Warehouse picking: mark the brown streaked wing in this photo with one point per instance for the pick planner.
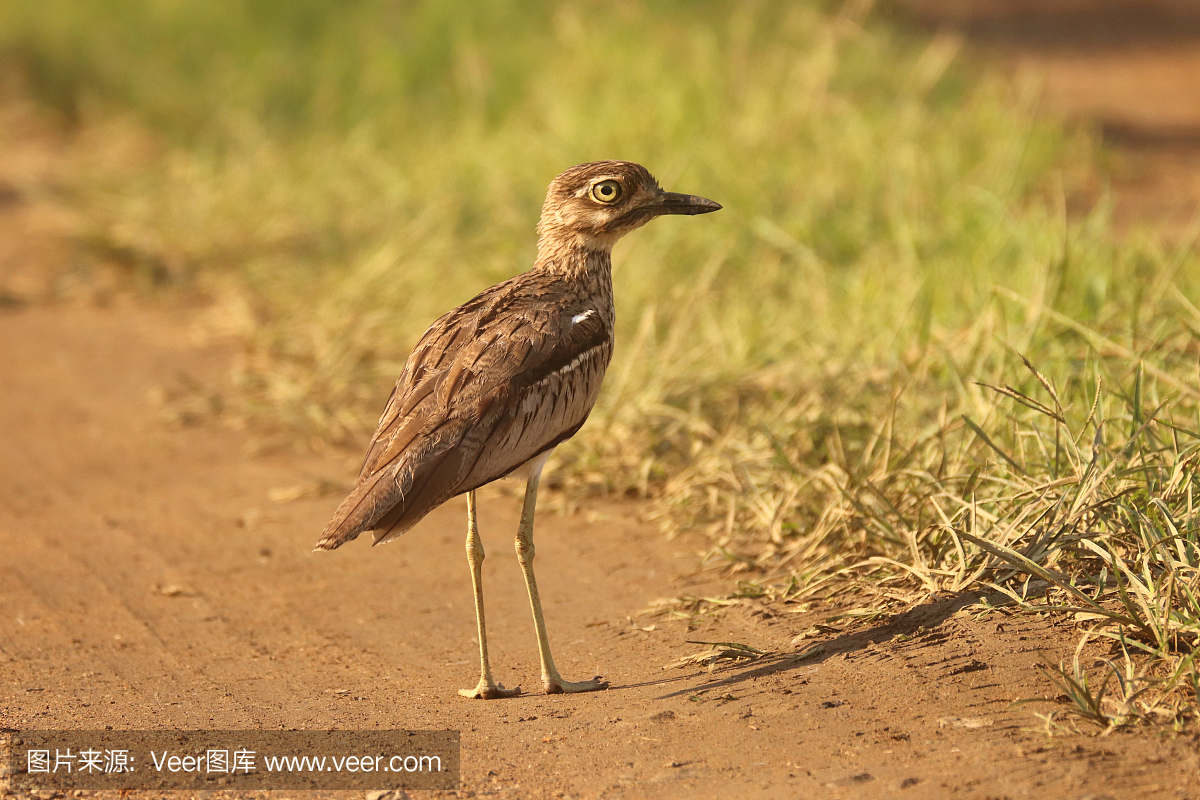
(538, 382)
(468, 410)
(419, 380)
(539, 416)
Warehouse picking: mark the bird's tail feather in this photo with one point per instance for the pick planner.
(390, 501)
(435, 483)
(370, 500)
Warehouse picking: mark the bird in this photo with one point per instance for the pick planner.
(493, 386)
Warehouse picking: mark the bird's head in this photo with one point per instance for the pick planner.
(593, 205)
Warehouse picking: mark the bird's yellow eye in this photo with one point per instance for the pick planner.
(607, 192)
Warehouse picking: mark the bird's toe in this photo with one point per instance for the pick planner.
(489, 691)
(559, 686)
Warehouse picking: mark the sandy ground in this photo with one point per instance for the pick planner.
(155, 575)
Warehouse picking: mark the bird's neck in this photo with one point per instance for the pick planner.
(573, 258)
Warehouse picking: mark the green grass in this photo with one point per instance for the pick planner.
(828, 377)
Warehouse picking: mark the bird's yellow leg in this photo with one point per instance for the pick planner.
(487, 689)
(550, 677)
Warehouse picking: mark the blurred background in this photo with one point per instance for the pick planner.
(917, 194)
(1128, 69)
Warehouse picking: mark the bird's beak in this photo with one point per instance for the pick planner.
(672, 203)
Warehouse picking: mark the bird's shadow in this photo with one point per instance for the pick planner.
(926, 615)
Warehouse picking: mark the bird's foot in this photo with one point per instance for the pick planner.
(557, 685)
(487, 690)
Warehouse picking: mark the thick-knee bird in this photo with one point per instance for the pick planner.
(496, 384)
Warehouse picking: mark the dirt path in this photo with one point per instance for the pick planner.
(147, 580)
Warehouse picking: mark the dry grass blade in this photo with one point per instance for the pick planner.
(988, 441)
(1024, 400)
(717, 653)
(1025, 564)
